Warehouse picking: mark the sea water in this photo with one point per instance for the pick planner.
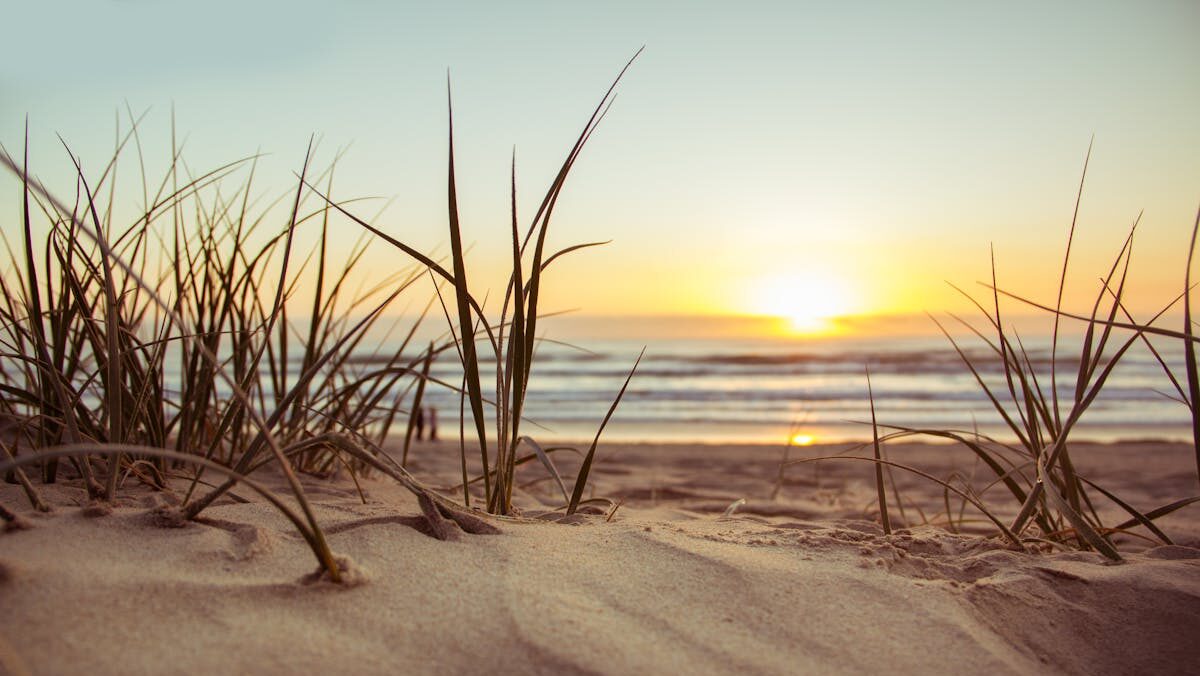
(770, 390)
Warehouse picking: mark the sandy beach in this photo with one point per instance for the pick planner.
(298, 301)
(682, 578)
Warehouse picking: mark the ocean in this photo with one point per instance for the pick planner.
(770, 390)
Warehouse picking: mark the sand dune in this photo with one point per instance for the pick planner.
(802, 583)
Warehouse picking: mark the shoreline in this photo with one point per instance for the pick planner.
(824, 442)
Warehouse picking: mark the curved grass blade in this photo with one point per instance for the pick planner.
(470, 360)
(548, 464)
(415, 413)
(1137, 516)
(1008, 533)
(1161, 511)
(1062, 282)
(879, 491)
(83, 450)
(585, 468)
(1082, 527)
(1189, 348)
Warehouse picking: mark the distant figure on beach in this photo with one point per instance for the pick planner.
(420, 423)
(433, 424)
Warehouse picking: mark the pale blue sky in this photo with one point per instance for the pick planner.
(885, 143)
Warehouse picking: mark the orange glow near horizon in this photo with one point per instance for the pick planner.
(802, 439)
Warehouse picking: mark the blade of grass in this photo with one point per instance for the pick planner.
(879, 490)
(82, 450)
(1008, 533)
(1189, 348)
(1160, 512)
(1062, 282)
(1082, 527)
(548, 464)
(1137, 516)
(585, 468)
(415, 413)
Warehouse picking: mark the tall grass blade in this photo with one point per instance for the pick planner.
(879, 490)
(1189, 348)
(1084, 530)
(1014, 426)
(470, 361)
(586, 467)
(517, 373)
(416, 413)
(111, 351)
(1062, 282)
(38, 330)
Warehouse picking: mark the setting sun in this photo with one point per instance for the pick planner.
(809, 301)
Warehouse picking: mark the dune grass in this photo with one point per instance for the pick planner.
(512, 338)
(167, 349)
(156, 335)
(163, 348)
(1036, 474)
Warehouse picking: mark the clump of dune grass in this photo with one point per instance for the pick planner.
(95, 314)
(1036, 474)
(512, 337)
(162, 349)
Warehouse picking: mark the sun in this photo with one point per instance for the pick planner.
(808, 301)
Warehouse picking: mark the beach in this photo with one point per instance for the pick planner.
(606, 338)
(682, 576)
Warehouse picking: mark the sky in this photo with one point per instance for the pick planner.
(798, 159)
